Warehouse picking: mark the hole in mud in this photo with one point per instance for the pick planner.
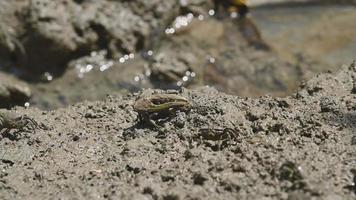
(7, 162)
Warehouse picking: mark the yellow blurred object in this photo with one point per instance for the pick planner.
(232, 9)
(248, 28)
(231, 6)
(238, 2)
(238, 6)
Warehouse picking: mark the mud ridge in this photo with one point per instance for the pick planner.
(226, 147)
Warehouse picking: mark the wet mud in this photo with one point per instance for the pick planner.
(225, 147)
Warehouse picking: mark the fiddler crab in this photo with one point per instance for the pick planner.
(9, 120)
(157, 107)
(218, 137)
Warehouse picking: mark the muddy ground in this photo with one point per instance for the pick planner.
(298, 147)
(258, 131)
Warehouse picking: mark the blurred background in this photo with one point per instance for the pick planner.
(57, 53)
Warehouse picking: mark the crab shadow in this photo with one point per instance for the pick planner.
(138, 129)
(346, 120)
(11, 135)
(350, 122)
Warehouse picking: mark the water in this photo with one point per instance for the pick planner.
(325, 32)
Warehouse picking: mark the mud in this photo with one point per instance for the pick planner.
(226, 147)
(270, 135)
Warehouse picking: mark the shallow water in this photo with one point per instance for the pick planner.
(325, 32)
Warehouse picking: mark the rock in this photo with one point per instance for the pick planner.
(172, 70)
(13, 91)
(63, 30)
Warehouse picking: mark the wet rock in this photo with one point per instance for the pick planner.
(11, 47)
(69, 29)
(158, 12)
(174, 71)
(62, 30)
(197, 6)
(50, 34)
(13, 91)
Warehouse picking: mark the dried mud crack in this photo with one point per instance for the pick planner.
(298, 147)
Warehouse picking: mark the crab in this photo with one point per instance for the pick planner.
(218, 137)
(157, 106)
(9, 120)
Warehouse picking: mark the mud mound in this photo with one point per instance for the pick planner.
(226, 147)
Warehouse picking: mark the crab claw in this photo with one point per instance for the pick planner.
(25, 121)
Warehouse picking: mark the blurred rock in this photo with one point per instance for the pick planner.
(51, 33)
(13, 91)
(172, 69)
